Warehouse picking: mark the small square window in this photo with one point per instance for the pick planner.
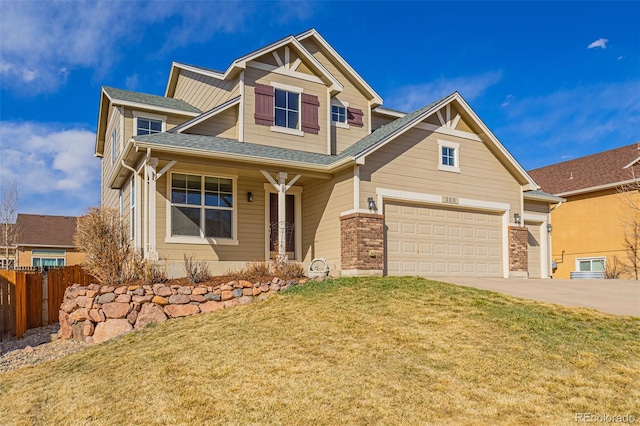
(449, 156)
(287, 108)
(338, 114)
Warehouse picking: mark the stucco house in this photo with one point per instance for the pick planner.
(46, 241)
(289, 151)
(589, 229)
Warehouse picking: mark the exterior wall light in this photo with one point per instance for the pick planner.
(250, 197)
(372, 204)
(516, 218)
(549, 228)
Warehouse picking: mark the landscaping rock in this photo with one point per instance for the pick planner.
(237, 292)
(123, 298)
(179, 299)
(97, 315)
(132, 316)
(111, 328)
(139, 291)
(211, 306)
(79, 315)
(247, 291)
(69, 306)
(142, 299)
(226, 295)
(107, 289)
(245, 284)
(199, 291)
(120, 290)
(106, 298)
(116, 310)
(197, 298)
(177, 311)
(159, 300)
(150, 314)
(244, 300)
(184, 290)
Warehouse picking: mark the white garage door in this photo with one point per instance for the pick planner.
(436, 241)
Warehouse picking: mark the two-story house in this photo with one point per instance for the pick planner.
(289, 151)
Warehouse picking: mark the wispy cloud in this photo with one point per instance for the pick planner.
(411, 97)
(572, 122)
(41, 43)
(601, 43)
(55, 168)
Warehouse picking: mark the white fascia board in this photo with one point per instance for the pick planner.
(632, 163)
(494, 140)
(377, 99)
(97, 152)
(154, 108)
(390, 112)
(198, 70)
(429, 126)
(597, 188)
(540, 197)
(206, 115)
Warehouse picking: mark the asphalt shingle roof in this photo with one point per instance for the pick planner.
(151, 100)
(232, 146)
(604, 168)
(41, 230)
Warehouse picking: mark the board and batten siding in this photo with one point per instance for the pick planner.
(204, 92)
(224, 125)
(251, 219)
(322, 203)
(344, 138)
(410, 163)
(263, 135)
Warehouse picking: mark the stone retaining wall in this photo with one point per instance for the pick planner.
(96, 313)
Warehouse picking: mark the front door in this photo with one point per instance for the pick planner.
(290, 225)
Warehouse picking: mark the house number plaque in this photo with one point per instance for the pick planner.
(449, 200)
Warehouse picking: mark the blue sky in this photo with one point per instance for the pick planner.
(552, 80)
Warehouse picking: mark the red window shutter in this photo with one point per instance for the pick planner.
(310, 105)
(264, 105)
(354, 117)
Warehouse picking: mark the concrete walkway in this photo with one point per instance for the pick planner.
(618, 297)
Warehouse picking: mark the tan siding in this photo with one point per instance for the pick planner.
(224, 125)
(113, 121)
(322, 203)
(350, 94)
(250, 217)
(536, 207)
(72, 256)
(410, 163)
(204, 92)
(379, 120)
(263, 135)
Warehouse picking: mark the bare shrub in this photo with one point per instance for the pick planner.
(137, 268)
(288, 270)
(197, 271)
(101, 235)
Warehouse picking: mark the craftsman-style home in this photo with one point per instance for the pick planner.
(289, 152)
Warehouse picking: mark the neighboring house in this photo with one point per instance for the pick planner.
(589, 228)
(46, 241)
(289, 152)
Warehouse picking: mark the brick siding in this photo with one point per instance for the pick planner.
(362, 241)
(518, 260)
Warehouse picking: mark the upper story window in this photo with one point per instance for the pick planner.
(449, 156)
(146, 126)
(287, 109)
(338, 114)
(146, 123)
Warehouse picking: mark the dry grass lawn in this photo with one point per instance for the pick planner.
(349, 351)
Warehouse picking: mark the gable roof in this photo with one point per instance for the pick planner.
(206, 115)
(113, 96)
(46, 231)
(241, 63)
(363, 85)
(607, 169)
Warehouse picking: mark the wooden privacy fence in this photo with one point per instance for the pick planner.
(33, 299)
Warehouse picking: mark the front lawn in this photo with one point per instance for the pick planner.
(348, 351)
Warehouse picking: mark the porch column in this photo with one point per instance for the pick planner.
(281, 187)
(153, 163)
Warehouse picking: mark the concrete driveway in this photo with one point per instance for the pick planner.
(618, 297)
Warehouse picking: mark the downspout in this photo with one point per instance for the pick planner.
(145, 242)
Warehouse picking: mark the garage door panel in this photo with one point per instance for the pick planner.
(433, 240)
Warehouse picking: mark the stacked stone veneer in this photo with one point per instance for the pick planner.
(96, 313)
(362, 243)
(518, 251)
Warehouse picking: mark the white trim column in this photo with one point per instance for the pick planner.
(153, 163)
(281, 188)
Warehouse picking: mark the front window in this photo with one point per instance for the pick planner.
(147, 126)
(201, 206)
(593, 264)
(287, 108)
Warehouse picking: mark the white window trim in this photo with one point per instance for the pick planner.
(591, 259)
(201, 240)
(133, 193)
(149, 116)
(294, 89)
(114, 144)
(456, 150)
(345, 105)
